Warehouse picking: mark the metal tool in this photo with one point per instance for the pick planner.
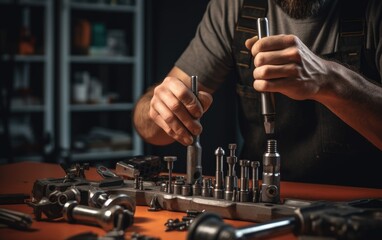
(231, 178)
(219, 189)
(104, 217)
(194, 151)
(170, 164)
(255, 181)
(15, 219)
(270, 188)
(267, 98)
(244, 180)
(360, 219)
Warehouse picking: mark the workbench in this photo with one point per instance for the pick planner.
(19, 178)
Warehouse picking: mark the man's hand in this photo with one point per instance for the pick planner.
(176, 110)
(284, 64)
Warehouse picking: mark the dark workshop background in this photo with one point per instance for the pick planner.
(171, 25)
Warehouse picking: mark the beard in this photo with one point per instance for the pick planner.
(301, 9)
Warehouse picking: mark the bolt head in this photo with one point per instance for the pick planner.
(170, 158)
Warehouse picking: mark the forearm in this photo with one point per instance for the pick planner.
(145, 126)
(354, 99)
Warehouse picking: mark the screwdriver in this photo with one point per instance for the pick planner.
(267, 98)
(194, 151)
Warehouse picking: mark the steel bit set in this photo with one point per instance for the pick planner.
(230, 187)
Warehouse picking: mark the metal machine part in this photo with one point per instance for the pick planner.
(144, 166)
(360, 219)
(270, 188)
(15, 219)
(219, 189)
(210, 226)
(231, 178)
(267, 98)
(244, 180)
(107, 218)
(194, 151)
(255, 181)
(170, 164)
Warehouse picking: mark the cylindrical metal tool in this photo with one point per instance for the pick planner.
(267, 98)
(255, 181)
(270, 189)
(206, 188)
(107, 218)
(170, 164)
(231, 178)
(209, 226)
(218, 191)
(194, 151)
(244, 180)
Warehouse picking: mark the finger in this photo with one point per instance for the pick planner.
(278, 57)
(273, 85)
(267, 72)
(250, 42)
(187, 98)
(170, 123)
(205, 100)
(274, 43)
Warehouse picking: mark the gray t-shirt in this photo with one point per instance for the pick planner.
(209, 55)
(309, 134)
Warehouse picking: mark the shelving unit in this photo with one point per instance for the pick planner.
(121, 74)
(34, 72)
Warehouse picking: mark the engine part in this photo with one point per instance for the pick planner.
(270, 188)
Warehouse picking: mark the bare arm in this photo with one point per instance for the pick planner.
(170, 111)
(284, 64)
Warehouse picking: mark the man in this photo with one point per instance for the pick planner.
(328, 122)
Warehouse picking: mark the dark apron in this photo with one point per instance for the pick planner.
(314, 144)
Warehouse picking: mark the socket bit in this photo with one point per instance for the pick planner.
(267, 98)
(194, 151)
(270, 189)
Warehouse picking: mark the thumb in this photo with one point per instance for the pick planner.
(250, 42)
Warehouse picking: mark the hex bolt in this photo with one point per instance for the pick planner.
(170, 164)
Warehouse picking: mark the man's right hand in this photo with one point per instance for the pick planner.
(176, 110)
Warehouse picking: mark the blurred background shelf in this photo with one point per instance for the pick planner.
(101, 77)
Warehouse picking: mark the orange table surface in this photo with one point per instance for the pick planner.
(19, 178)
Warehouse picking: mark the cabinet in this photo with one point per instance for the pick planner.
(26, 58)
(101, 77)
